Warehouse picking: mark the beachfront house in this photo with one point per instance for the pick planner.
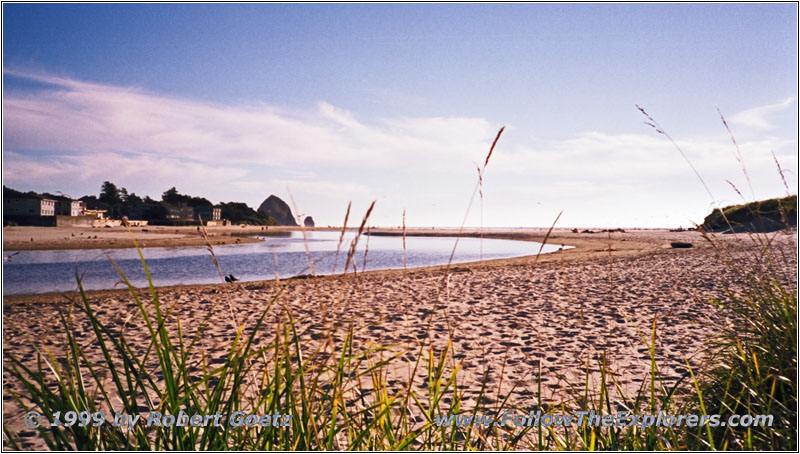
(186, 213)
(69, 207)
(208, 213)
(28, 209)
(179, 212)
(28, 206)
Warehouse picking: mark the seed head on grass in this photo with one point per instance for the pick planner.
(780, 172)
(352, 252)
(341, 237)
(738, 153)
(472, 199)
(303, 230)
(366, 250)
(754, 366)
(491, 149)
(210, 249)
(546, 237)
(404, 238)
(480, 193)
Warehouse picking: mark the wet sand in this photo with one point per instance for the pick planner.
(555, 315)
(40, 238)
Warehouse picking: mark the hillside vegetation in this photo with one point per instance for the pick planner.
(118, 203)
(761, 216)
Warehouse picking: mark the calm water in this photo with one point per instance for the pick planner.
(54, 271)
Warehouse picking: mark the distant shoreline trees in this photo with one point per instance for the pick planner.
(118, 203)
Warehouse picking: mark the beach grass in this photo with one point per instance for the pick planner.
(335, 393)
(338, 394)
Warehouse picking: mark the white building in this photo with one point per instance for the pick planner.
(97, 214)
(67, 207)
(29, 207)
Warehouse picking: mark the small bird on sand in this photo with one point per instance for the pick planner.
(230, 278)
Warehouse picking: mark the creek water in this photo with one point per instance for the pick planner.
(27, 272)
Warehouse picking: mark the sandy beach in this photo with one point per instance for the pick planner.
(515, 318)
(40, 238)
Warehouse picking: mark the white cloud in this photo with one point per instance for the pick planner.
(758, 118)
(597, 156)
(132, 170)
(93, 118)
(75, 132)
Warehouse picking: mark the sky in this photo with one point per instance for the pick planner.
(398, 103)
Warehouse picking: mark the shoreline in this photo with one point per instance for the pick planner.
(61, 238)
(511, 320)
(28, 238)
(585, 247)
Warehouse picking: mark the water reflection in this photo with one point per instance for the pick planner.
(54, 270)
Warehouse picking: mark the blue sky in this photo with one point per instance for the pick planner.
(396, 102)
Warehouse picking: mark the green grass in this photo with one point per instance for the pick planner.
(764, 215)
(337, 391)
(339, 398)
(751, 369)
(755, 356)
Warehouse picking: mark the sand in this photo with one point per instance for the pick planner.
(38, 238)
(555, 314)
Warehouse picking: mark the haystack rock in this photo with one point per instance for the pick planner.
(277, 209)
(308, 221)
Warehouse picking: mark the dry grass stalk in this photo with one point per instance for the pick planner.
(780, 172)
(341, 237)
(654, 124)
(492, 147)
(738, 154)
(735, 189)
(724, 248)
(610, 264)
(366, 251)
(302, 229)
(445, 277)
(546, 237)
(404, 238)
(480, 186)
(480, 230)
(472, 199)
(210, 248)
(739, 158)
(352, 252)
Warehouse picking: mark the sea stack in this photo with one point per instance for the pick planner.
(308, 221)
(278, 210)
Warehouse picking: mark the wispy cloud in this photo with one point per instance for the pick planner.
(93, 118)
(70, 130)
(598, 156)
(759, 118)
(68, 133)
